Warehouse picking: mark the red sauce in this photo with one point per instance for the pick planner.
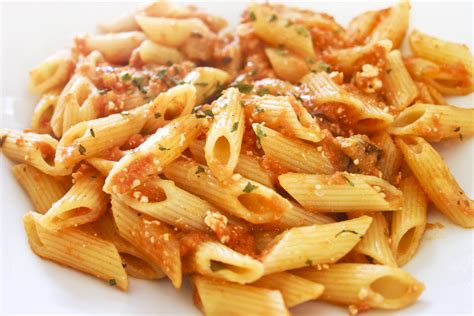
(139, 169)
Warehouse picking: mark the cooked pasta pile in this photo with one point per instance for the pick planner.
(285, 161)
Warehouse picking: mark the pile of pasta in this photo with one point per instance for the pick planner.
(285, 161)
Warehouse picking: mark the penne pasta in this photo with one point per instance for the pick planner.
(350, 109)
(74, 248)
(169, 31)
(393, 24)
(295, 290)
(41, 118)
(207, 81)
(376, 244)
(224, 137)
(341, 192)
(400, 89)
(52, 73)
(279, 32)
(218, 261)
(216, 297)
(115, 47)
(390, 158)
(409, 224)
(36, 150)
(42, 189)
(286, 115)
(292, 154)
(156, 152)
(365, 285)
(306, 246)
(287, 66)
(434, 122)
(83, 203)
(436, 180)
(153, 53)
(241, 197)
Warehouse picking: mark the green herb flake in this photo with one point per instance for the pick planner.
(250, 187)
(324, 67)
(461, 137)
(259, 131)
(289, 23)
(103, 91)
(301, 30)
(157, 115)
(273, 18)
(201, 84)
(309, 262)
(125, 113)
(126, 77)
(259, 109)
(112, 282)
(137, 81)
(346, 231)
(348, 180)
(457, 129)
(82, 149)
(162, 148)
(262, 91)
(234, 127)
(162, 73)
(216, 266)
(199, 170)
(281, 52)
(252, 16)
(244, 87)
(92, 132)
(209, 113)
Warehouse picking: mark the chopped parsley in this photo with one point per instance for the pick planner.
(250, 187)
(457, 129)
(137, 82)
(162, 148)
(234, 127)
(252, 16)
(289, 23)
(92, 132)
(205, 113)
(244, 87)
(301, 30)
(124, 113)
(112, 282)
(199, 169)
(346, 231)
(157, 115)
(325, 67)
(348, 180)
(162, 73)
(201, 84)
(259, 131)
(461, 137)
(262, 91)
(103, 91)
(281, 51)
(273, 18)
(309, 262)
(126, 77)
(82, 149)
(259, 109)
(226, 60)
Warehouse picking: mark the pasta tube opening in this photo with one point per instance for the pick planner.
(405, 242)
(222, 150)
(390, 287)
(408, 117)
(137, 267)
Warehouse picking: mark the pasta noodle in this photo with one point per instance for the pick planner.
(283, 161)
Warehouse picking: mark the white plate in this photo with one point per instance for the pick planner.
(32, 31)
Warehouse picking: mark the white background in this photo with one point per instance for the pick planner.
(32, 31)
